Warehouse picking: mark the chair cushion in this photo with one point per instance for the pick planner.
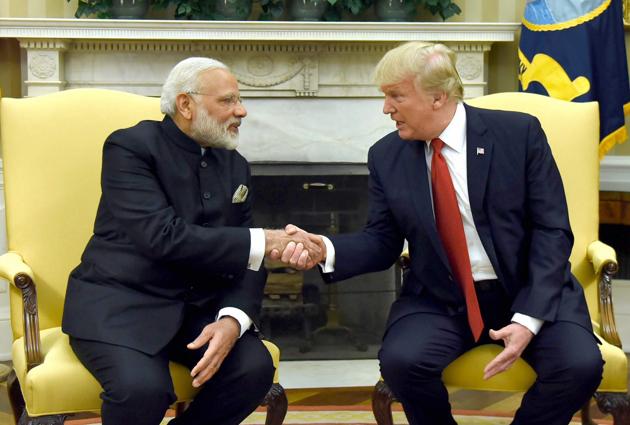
(62, 385)
(521, 375)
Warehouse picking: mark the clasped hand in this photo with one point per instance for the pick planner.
(295, 247)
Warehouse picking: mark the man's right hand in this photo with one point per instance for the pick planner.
(291, 252)
(298, 249)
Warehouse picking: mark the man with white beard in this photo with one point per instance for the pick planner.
(173, 269)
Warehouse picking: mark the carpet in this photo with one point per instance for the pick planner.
(350, 415)
(338, 415)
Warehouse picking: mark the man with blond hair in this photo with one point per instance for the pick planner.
(173, 270)
(478, 197)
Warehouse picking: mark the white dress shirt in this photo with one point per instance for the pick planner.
(454, 152)
(256, 256)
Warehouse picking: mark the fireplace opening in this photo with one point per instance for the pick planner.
(307, 319)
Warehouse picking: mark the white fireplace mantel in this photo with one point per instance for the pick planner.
(270, 59)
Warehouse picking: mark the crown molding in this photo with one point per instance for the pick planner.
(114, 29)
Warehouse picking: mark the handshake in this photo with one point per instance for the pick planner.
(295, 247)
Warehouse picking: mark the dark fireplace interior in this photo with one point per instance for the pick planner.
(306, 318)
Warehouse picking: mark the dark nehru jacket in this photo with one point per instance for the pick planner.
(167, 233)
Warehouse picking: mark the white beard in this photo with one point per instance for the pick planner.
(210, 133)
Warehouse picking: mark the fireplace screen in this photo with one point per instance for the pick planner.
(306, 318)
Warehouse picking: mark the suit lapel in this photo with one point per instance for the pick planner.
(418, 180)
(479, 150)
(479, 146)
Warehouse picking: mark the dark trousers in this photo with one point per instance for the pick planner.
(417, 348)
(137, 387)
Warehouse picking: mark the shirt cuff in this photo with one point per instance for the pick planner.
(256, 249)
(241, 317)
(531, 323)
(328, 266)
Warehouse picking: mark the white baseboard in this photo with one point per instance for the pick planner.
(328, 373)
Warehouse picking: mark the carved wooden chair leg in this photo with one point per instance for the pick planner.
(382, 399)
(42, 420)
(617, 404)
(585, 414)
(277, 404)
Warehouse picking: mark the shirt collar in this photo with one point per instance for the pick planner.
(454, 135)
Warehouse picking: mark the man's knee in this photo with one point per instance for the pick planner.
(585, 371)
(140, 391)
(398, 368)
(249, 366)
(575, 373)
(258, 372)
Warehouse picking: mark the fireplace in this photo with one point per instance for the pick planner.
(306, 318)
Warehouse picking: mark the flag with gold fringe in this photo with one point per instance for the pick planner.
(575, 50)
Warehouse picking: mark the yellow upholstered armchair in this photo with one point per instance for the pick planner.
(573, 133)
(51, 148)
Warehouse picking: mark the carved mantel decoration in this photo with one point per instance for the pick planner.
(271, 59)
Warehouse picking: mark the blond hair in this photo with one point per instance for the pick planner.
(431, 65)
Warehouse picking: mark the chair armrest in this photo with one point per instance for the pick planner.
(604, 260)
(11, 265)
(20, 275)
(602, 255)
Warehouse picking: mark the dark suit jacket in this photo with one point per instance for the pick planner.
(519, 209)
(166, 233)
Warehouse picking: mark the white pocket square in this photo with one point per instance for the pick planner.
(240, 194)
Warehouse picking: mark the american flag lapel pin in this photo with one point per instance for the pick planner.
(481, 151)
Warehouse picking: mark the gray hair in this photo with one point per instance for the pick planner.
(183, 78)
(431, 65)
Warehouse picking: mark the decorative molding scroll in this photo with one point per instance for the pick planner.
(260, 65)
(42, 66)
(29, 295)
(263, 68)
(469, 65)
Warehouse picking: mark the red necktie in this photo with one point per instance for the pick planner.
(449, 225)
